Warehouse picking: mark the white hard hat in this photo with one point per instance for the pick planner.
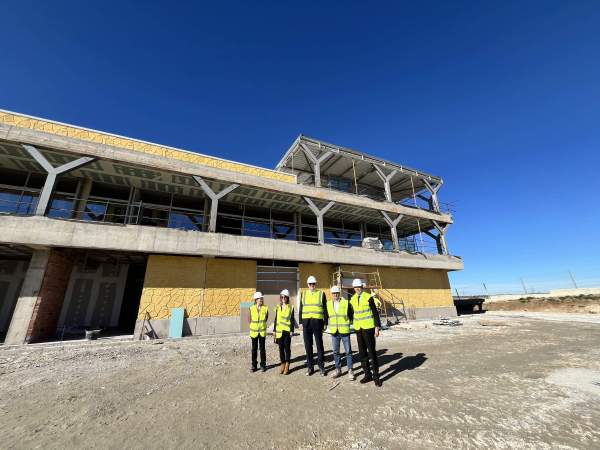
(258, 295)
(357, 282)
(311, 279)
(335, 290)
(285, 292)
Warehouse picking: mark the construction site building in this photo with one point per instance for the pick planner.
(99, 231)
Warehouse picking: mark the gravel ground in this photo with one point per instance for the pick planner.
(495, 382)
(583, 304)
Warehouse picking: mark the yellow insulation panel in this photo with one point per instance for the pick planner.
(418, 288)
(205, 287)
(71, 131)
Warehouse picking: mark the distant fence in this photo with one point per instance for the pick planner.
(529, 284)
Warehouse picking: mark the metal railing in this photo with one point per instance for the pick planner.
(115, 211)
(377, 194)
(23, 201)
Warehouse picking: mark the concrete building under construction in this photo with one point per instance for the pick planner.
(99, 231)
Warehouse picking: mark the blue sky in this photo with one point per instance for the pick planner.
(501, 99)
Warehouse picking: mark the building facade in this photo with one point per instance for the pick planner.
(99, 231)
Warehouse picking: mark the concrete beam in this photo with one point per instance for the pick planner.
(44, 231)
(441, 229)
(316, 162)
(433, 191)
(214, 200)
(386, 179)
(393, 228)
(319, 213)
(52, 173)
(104, 151)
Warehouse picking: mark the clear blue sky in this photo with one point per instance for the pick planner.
(501, 99)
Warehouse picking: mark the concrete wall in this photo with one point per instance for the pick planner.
(210, 290)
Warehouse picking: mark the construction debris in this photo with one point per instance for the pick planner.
(447, 321)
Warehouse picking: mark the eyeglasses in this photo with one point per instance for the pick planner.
(312, 284)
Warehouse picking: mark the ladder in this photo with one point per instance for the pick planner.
(392, 310)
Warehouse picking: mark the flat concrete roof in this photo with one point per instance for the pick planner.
(62, 129)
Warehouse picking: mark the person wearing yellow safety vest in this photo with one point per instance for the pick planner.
(283, 328)
(313, 316)
(366, 324)
(259, 314)
(340, 315)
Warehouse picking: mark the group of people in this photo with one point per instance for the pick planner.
(318, 315)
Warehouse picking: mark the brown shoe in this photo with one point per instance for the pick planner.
(281, 368)
(286, 368)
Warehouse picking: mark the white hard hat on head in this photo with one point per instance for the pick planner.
(285, 292)
(311, 279)
(335, 290)
(258, 295)
(357, 282)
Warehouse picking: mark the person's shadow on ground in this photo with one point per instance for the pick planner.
(401, 364)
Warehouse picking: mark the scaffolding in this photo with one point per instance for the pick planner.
(391, 308)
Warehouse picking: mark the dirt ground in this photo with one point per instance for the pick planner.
(580, 304)
(496, 382)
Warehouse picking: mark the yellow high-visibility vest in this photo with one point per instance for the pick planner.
(258, 322)
(284, 319)
(312, 305)
(363, 316)
(338, 321)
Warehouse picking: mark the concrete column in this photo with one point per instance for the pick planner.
(433, 191)
(40, 302)
(363, 231)
(386, 179)
(316, 162)
(52, 173)
(132, 213)
(319, 213)
(19, 324)
(206, 213)
(440, 239)
(393, 228)
(214, 200)
(83, 192)
(442, 246)
(298, 224)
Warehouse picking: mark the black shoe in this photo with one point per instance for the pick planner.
(378, 382)
(252, 369)
(263, 368)
(366, 379)
(323, 373)
(309, 372)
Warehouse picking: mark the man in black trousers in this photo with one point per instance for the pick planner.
(366, 323)
(313, 316)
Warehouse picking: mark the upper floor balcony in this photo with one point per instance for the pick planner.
(42, 181)
(317, 163)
